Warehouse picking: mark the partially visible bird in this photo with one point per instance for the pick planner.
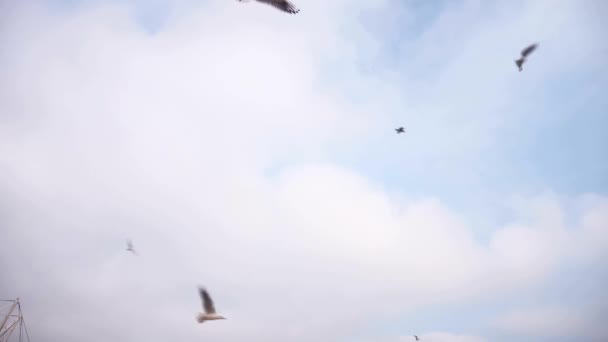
(416, 337)
(209, 314)
(282, 5)
(524, 54)
(130, 247)
(400, 130)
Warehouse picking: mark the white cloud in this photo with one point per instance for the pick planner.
(553, 322)
(108, 133)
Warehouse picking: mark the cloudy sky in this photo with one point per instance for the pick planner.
(254, 152)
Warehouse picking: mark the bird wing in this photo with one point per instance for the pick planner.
(129, 244)
(525, 52)
(207, 302)
(283, 5)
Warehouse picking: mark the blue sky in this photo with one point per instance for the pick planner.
(239, 126)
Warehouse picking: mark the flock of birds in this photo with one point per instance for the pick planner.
(209, 308)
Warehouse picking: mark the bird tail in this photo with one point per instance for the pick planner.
(200, 318)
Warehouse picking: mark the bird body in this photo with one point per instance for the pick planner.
(208, 317)
(416, 337)
(282, 5)
(519, 63)
(400, 130)
(210, 314)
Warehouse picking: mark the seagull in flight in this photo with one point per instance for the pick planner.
(524, 54)
(416, 337)
(130, 247)
(282, 5)
(400, 130)
(209, 314)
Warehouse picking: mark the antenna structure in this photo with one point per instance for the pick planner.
(12, 324)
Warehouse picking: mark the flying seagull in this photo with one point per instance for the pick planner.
(400, 130)
(282, 5)
(524, 54)
(130, 247)
(209, 314)
(416, 337)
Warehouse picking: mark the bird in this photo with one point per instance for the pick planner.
(416, 337)
(400, 130)
(209, 314)
(282, 5)
(524, 54)
(130, 247)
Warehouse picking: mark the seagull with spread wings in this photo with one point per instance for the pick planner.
(210, 314)
(282, 5)
(524, 54)
(400, 130)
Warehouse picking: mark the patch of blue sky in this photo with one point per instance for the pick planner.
(561, 143)
(395, 24)
(553, 137)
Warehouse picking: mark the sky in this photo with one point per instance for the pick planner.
(253, 152)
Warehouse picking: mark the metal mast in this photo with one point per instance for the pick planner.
(12, 325)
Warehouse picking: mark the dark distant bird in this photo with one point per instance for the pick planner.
(209, 314)
(400, 130)
(416, 337)
(524, 54)
(282, 5)
(130, 247)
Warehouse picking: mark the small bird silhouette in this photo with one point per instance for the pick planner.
(400, 130)
(282, 5)
(416, 337)
(524, 54)
(209, 314)
(130, 247)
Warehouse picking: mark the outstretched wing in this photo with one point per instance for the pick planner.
(283, 5)
(525, 52)
(207, 302)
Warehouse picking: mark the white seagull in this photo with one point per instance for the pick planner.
(282, 5)
(209, 314)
